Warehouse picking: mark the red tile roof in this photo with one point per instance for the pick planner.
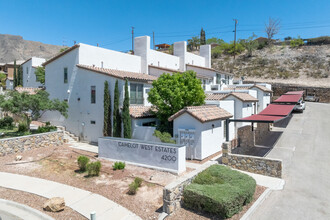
(203, 113)
(211, 69)
(120, 73)
(30, 91)
(244, 97)
(262, 88)
(140, 111)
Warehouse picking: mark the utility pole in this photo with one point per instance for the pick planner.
(132, 40)
(235, 38)
(153, 39)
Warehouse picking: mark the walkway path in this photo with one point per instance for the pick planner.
(305, 152)
(79, 200)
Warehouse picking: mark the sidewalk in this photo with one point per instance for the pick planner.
(82, 201)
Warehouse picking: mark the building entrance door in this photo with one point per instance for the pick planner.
(187, 137)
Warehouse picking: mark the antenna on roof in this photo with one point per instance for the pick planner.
(132, 40)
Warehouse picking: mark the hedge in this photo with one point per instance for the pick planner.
(219, 190)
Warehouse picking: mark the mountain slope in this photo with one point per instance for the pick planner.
(306, 65)
(15, 47)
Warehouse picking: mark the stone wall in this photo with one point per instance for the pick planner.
(245, 136)
(261, 132)
(172, 193)
(29, 142)
(259, 165)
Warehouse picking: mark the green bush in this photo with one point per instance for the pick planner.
(23, 127)
(296, 42)
(82, 163)
(219, 190)
(164, 137)
(6, 122)
(93, 168)
(46, 128)
(119, 166)
(138, 181)
(132, 188)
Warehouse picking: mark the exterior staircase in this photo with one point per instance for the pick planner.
(68, 137)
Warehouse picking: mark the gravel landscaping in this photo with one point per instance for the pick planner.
(37, 202)
(60, 164)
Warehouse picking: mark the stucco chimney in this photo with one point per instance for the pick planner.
(180, 50)
(142, 48)
(205, 51)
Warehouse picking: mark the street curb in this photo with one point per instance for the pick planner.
(256, 204)
(25, 209)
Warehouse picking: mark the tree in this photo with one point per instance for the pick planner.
(126, 116)
(31, 106)
(214, 40)
(40, 74)
(202, 38)
(116, 113)
(15, 75)
(272, 28)
(19, 76)
(172, 92)
(250, 44)
(3, 80)
(193, 43)
(107, 126)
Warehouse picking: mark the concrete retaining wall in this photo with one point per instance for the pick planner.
(29, 142)
(259, 165)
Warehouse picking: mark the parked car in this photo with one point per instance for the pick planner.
(300, 106)
(311, 98)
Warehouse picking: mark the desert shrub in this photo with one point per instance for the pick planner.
(216, 52)
(164, 137)
(119, 166)
(296, 42)
(6, 122)
(82, 163)
(23, 126)
(319, 40)
(219, 190)
(132, 188)
(94, 168)
(138, 181)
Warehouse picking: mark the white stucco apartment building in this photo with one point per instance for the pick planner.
(77, 76)
(29, 67)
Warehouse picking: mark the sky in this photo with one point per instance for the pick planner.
(109, 23)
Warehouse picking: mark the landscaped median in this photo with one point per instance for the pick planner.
(219, 190)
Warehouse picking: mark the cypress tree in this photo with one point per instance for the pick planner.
(107, 126)
(126, 116)
(19, 76)
(116, 113)
(15, 75)
(202, 38)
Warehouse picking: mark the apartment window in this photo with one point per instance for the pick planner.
(136, 93)
(218, 79)
(93, 94)
(93, 122)
(27, 70)
(65, 75)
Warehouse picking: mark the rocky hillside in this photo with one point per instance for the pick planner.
(305, 65)
(15, 47)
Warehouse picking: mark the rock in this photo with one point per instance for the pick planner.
(54, 204)
(18, 157)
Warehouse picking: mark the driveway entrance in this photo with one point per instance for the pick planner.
(304, 148)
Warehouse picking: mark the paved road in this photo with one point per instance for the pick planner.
(304, 148)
